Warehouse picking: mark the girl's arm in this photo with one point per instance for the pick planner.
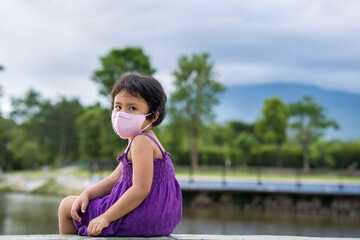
(104, 186)
(143, 167)
(100, 189)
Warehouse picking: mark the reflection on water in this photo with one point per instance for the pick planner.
(34, 214)
(201, 221)
(28, 214)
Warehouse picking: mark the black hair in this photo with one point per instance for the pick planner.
(145, 87)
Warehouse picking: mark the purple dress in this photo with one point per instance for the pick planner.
(158, 214)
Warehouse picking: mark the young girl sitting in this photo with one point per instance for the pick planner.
(142, 196)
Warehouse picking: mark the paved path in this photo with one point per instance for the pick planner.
(240, 184)
(344, 189)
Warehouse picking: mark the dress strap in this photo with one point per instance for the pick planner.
(152, 138)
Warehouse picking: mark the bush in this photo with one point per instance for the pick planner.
(320, 156)
(345, 154)
(212, 156)
(266, 156)
(329, 155)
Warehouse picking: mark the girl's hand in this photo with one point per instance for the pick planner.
(97, 225)
(80, 203)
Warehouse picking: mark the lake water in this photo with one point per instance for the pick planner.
(36, 214)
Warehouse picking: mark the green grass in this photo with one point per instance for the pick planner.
(51, 187)
(6, 189)
(212, 172)
(81, 172)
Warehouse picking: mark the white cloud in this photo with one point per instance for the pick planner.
(50, 45)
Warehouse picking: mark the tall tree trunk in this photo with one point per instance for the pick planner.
(4, 159)
(61, 154)
(306, 157)
(193, 148)
(70, 156)
(279, 155)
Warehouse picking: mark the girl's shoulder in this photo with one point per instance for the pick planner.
(143, 139)
(147, 142)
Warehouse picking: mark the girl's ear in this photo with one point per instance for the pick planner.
(156, 116)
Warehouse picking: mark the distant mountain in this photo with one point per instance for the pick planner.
(244, 102)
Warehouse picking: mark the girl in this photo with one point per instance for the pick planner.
(142, 196)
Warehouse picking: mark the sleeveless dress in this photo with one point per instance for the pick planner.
(158, 214)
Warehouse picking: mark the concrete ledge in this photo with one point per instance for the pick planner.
(170, 237)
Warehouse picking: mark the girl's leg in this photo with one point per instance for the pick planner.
(66, 225)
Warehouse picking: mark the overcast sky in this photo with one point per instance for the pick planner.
(54, 46)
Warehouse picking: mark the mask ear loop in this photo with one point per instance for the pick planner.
(148, 124)
(146, 127)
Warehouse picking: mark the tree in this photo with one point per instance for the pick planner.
(240, 127)
(272, 124)
(58, 128)
(119, 62)
(244, 142)
(1, 94)
(192, 102)
(27, 107)
(51, 126)
(89, 127)
(1, 69)
(97, 139)
(6, 127)
(111, 145)
(309, 120)
(26, 153)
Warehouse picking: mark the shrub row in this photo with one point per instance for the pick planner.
(322, 155)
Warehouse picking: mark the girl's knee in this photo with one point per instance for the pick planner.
(66, 204)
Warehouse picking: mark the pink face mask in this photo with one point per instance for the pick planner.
(127, 125)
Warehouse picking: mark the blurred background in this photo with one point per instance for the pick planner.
(260, 94)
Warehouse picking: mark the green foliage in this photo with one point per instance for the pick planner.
(56, 129)
(196, 90)
(240, 127)
(97, 139)
(309, 121)
(50, 187)
(265, 155)
(26, 154)
(346, 153)
(119, 62)
(89, 126)
(320, 156)
(243, 145)
(246, 141)
(43, 132)
(271, 127)
(111, 146)
(6, 189)
(46, 132)
(174, 141)
(6, 128)
(26, 108)
(212, 155)
(1, 94)
(191, 104)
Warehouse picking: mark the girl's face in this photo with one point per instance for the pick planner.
(125, 102)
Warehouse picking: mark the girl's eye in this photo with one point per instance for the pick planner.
(117, 107)
(132, 108)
